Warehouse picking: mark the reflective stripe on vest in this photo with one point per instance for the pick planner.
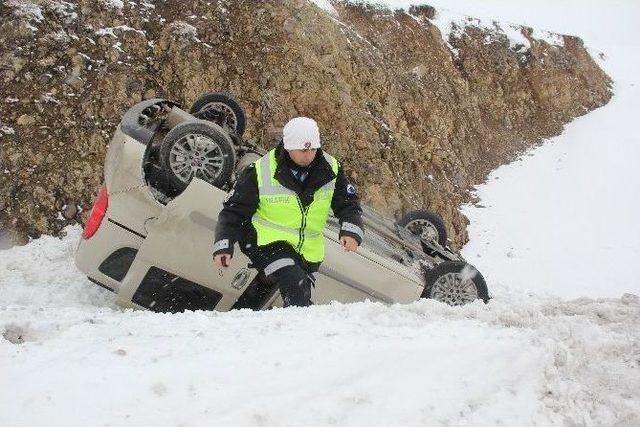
(281, 217)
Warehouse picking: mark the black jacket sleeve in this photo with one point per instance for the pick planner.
(346, 207)
(238, 208)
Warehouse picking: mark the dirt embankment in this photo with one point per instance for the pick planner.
(416, 119)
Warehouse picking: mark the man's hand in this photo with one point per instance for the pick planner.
(349, 243)
(222, 260)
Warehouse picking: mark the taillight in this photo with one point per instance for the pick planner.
(97, 214)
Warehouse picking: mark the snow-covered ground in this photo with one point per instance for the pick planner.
(559, 224)
(564, 219)
(71, 358)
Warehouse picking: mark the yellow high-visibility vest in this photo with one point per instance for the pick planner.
(281, 217)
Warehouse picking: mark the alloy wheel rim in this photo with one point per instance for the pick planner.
(423, 228)
(454, 289)
(213, 110)
(196, 155)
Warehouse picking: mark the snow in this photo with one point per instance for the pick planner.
(608, 27)
(7, 130)
(42, 274)
(557, 345)
(453, 24)
(553, 39)
(520, 360)
(64, 9)
(574, 230)
(109, 31)
(26, 9)
(112, 4)
(514, 33)
(326, 6)
(185, 31)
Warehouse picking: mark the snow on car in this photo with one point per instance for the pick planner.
(167, 172)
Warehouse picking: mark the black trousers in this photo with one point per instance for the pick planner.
(279, 261)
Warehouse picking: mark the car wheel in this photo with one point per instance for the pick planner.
(426, 224)
(455, 283)
(217, 106)
(196, 149)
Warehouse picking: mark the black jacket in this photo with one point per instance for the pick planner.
(234, 221)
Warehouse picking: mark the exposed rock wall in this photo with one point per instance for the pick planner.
(415, 120)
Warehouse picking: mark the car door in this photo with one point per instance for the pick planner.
(178, 248)
(365, 274)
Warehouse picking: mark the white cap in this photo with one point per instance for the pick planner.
(301, 133)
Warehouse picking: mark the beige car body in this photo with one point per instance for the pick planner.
(177, 238)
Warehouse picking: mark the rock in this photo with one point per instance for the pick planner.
(414, 122)
(18, 63)
(426, 11)
(70, 211)
(15, 334)
(149, 94)
(26, 120)
(74, 78)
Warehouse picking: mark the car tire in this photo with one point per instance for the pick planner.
(455, 283)
(426, 224)
(199, 149)
(212, 106)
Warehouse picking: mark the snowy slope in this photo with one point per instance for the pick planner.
(70, 357)
(563, 219)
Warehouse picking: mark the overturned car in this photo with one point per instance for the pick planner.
(150, 232)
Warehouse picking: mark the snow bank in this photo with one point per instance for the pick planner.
(42, 274)
(519, 360)
(453, 25)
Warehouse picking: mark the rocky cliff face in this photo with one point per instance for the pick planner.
(416, 119)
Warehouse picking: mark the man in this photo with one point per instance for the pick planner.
(279, 207)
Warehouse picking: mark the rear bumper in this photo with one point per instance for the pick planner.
(91, 253)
